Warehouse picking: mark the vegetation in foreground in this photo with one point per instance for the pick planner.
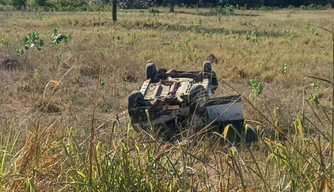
(67, 76)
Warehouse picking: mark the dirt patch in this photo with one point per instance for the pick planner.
(7, 62)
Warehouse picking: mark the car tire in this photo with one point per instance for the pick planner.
(251, 136)
(207, 68)
(133, 103)
(151, 71)
(213, 82)
(196, 94)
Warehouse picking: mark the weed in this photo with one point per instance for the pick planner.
(3, 42)
(289, 33)
(187, 41)
(116, 38)
(246, 23)
(193, 29)
(314, 98)
(315, 86)
(225, 10)
(37, 74)
(310, 28)
(57, 38)
(102, 81)
(20, 52)
(282, 69)
(257, 88)
(252, 36)
(31, 40)
(152, 10)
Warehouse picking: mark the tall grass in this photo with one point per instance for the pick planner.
(124, 162)
(294, 153)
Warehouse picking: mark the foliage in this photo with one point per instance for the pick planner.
(282, 69)
(57, 38)
(68, 5)
(31, 40)
(224, 6)
(225, 10)
(152, 10)
(121, 162)
(41, 2)
(315, 85)
(19, 4)
(313, 97)
(106, 2)
(20, 52)
(131, 4)
(252, 36)
(7, 146)
(257, 88)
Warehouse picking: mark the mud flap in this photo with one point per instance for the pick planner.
(223, 111)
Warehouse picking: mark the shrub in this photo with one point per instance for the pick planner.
(57, 38)
(266, 8)
(19, 4)
(257, 88)
(31, 40)
(152, 10)
(226, 10)
(252, 36)
(41, 2)
(69, 5)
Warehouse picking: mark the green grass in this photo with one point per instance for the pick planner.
(59, 96)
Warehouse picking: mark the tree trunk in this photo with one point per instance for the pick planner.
(130, 4)
(114, 10)
(171, 8)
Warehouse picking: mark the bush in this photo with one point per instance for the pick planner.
(19, 4)
(99, 8)
(68, 5)
(135, 4)
(41, 2)
(152, 10)
(226, 10)
(315, 7)
(266, 8)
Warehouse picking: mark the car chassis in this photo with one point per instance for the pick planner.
(176, 99)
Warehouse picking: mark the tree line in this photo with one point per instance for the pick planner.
(248, 3)
(96, 5)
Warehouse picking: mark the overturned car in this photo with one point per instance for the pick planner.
(173, 100)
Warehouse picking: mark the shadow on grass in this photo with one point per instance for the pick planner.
(215, 14)
(197, 29)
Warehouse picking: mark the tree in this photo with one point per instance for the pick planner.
(135, 4)
(171, 7)
(106, 2)
(40, 2)
(19, 4)
(114, 10)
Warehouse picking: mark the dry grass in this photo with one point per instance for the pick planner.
(182, 40)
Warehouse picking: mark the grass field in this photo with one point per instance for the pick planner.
(52, 98)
